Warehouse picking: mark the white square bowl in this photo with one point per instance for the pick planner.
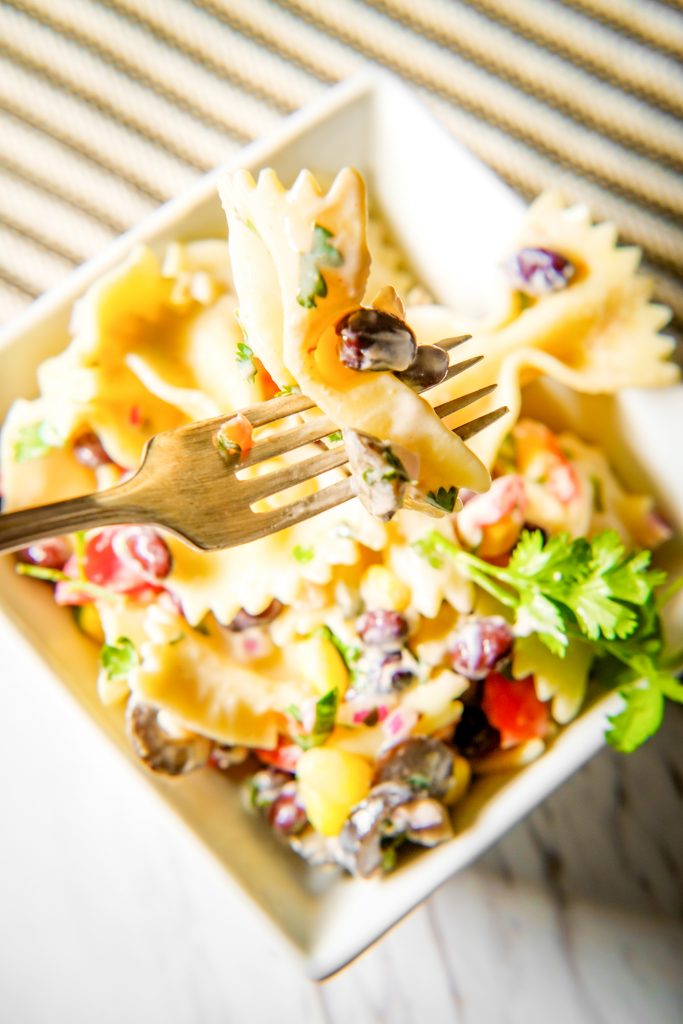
(454, 220)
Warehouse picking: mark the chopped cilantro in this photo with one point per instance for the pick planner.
(593, 591)
(390, 853)
(303, 554)
(418, 781)
(119, 659)
(35, 440)
(334, 437)
(443, 499)
(325, 717)
(229, 450)
(245, 360)
(312, 284)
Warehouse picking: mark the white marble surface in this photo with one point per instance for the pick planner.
(107, 914)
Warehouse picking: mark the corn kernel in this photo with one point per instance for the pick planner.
(459, 781)
(331, 782)
(88, 621)
(381, 588)
(322, 666)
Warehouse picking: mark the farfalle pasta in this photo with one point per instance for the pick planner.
(366, 669)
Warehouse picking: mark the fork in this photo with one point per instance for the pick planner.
(184, 485)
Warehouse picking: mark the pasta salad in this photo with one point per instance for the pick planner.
(363, 667)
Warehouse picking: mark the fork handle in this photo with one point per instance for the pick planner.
(106, 508)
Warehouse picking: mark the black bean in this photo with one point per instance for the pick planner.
(428, 370)
(474, 734)
(374, 340)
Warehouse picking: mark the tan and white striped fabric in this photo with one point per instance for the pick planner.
(109, 107)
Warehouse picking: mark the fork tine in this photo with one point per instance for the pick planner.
(446, 408)
(343, 490)
(280, 518)
(455, 368)
(275, 409)
(448, 343)
(288, 440)
(467, 430)
(319, 428)
(280, 480)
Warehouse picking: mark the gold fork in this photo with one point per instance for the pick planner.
(184, 485)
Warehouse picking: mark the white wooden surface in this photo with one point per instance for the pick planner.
(108, 914)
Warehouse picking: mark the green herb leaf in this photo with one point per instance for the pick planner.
(325, 717)
(36, 440)
(119, 659)
(537, 614)
(335, 436)
(562, 590)
(640, 718)
(312, 284)
(303, 554)
(245, 360)
(443, 499)
(390, 853)
(418, 781)
(287, 389)
(229, 450)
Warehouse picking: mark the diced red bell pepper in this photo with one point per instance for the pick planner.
(512, 707)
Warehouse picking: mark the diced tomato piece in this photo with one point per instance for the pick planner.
(236, 433)
(285, 756)
(512, 707)
(126, 558)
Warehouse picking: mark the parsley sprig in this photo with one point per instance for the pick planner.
(594, 591)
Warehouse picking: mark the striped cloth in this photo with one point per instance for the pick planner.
(108, 108)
